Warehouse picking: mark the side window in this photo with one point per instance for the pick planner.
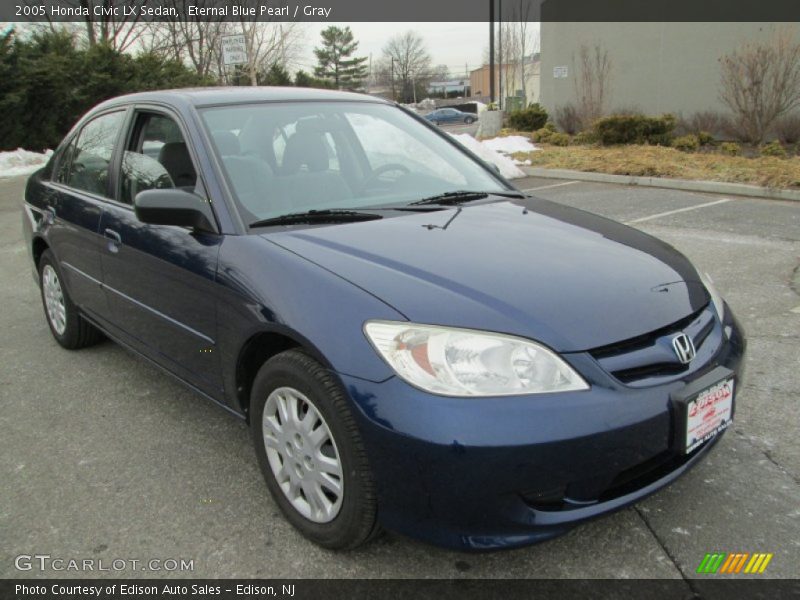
(64, 162)
(88, 167)
(156, 158)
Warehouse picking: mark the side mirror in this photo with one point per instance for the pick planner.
(174, 206)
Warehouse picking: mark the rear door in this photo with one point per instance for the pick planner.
(160, 280)
(76, 198)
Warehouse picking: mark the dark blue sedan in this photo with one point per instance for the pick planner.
(450, 116)
(415, 344)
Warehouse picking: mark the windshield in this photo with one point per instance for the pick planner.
(283, 158)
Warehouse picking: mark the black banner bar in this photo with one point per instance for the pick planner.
(414, 589)
(43, 11)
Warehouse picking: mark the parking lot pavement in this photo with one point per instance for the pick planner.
(102, 456)
(456, 128)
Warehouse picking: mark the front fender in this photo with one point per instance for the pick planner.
(266, 288)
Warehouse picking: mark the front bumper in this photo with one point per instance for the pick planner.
(488, 473)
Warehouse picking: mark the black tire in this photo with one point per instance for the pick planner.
(77, 333)
(469, 120)
(356, 522)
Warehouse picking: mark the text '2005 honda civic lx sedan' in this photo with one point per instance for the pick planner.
(415, 344)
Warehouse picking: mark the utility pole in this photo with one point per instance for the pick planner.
(500, 51)
(491, 51)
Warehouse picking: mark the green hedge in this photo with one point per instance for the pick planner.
(635, 129)
(528, 119)
(48, 81)
(687, 143)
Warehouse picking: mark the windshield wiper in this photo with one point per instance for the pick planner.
(331, 215)
(461, 196)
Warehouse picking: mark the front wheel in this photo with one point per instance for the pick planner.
(469, 120)
(67, 325)
(310, 452)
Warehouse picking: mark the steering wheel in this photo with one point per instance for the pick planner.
(387, 168)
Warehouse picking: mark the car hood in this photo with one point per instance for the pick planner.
(567, 278)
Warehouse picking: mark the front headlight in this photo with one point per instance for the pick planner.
(716, 299)
(465, 362)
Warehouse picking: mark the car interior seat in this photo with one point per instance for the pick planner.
(175, 158)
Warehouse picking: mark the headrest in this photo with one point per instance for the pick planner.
(177, 161)
(306, 147)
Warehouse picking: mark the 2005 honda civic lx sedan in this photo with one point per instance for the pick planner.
(415, 344)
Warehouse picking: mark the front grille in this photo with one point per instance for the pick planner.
(644, 340)
(646, 371)
(650, 359)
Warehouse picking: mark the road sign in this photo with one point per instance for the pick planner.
(234, 50)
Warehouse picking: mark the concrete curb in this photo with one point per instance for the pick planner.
(709, 187)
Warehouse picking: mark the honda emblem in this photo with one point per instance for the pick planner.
(684, 348)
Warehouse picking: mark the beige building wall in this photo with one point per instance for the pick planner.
(656, 67)
(479, 81)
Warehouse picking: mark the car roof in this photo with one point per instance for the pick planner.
(213, 96)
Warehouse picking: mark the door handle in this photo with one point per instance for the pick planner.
(114, 240)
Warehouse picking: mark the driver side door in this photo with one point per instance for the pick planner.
(159, 279)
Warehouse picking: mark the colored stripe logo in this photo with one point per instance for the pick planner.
(735, 562)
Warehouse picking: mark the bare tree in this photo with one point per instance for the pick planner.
(760, 82)
(269, 44)
(115, 27)
(192, 40)
(407, 63)
(592, 82)
(520, 44)
(198, 42)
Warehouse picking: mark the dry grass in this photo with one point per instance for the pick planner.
(657, 161)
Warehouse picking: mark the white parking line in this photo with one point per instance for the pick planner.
(544, 187)
(676, 211)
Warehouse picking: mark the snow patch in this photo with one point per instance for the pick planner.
(506, 165)
(22, 162)
(680, 530)
(510, 144)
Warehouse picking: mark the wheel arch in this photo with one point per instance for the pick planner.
(258, 349)
(38, 246)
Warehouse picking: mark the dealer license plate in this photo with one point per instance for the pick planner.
(708, 412)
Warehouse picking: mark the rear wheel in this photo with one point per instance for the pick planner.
(67, 325)
(310, 452)
(469, 120)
